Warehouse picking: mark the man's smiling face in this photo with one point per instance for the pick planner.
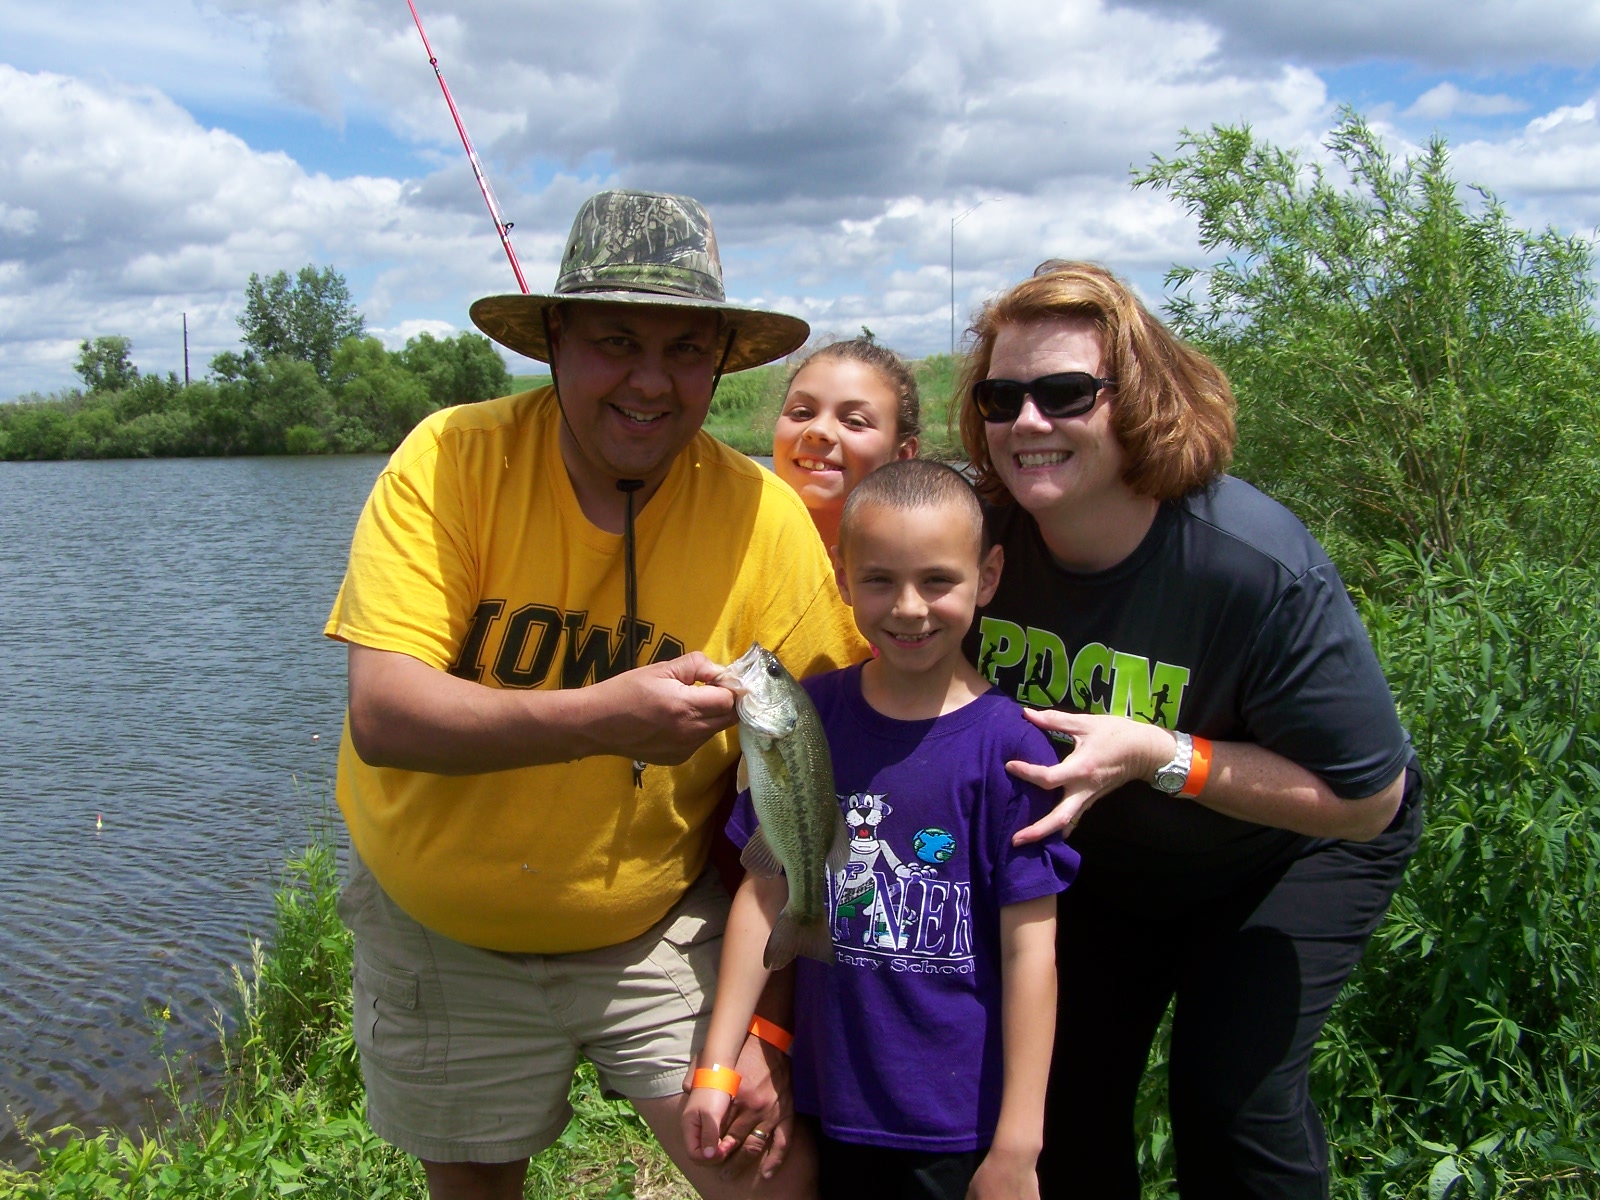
(635, 383)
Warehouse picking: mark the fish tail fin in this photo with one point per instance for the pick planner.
(789, 938)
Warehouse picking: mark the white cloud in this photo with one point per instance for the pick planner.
(832, 143)
(398, 335)
(1549, 172)
(1568, 119)
(141, 214)
(18, 221)
(1447, 100)
(1475, 34)
(186, 48)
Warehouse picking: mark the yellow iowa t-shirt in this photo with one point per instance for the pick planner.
(473, 555)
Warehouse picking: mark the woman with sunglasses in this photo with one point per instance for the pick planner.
(1238, 785)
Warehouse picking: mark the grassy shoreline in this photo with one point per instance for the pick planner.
(286, 1117)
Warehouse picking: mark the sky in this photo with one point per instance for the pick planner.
(155, 153)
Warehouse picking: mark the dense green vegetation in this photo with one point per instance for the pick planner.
(268, 400)
(308, 381)
(1416, 378)
(1411, 366)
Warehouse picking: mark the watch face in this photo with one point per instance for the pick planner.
(1170, 781)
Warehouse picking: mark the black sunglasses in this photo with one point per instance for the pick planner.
(1069, 394)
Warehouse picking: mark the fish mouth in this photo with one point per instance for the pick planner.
(736, 675)
(758, 706)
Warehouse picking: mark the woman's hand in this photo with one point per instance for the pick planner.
(1108, 752)
(1248, 782)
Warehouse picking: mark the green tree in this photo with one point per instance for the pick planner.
(1410, 364)
(104, 365)
(456, 370)
(378, 399)
(284, 392)
(305, 319)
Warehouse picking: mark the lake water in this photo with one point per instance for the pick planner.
(162, 670)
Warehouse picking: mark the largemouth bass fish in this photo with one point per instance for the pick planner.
(802, 833)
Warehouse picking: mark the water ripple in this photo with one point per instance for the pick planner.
(161, 668)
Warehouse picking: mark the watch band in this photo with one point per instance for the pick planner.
(1173, 774)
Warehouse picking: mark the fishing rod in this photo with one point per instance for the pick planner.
(501, 225)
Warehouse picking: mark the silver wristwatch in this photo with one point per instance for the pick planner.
(1171, 778)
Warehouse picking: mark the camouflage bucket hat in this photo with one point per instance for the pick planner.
(641, 248)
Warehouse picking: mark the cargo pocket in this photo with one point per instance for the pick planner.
(691, 946)
(393, 1025)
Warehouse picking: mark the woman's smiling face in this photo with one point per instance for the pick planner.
(1056, 466)
(840, 422)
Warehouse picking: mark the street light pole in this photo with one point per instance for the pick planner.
(954, 221)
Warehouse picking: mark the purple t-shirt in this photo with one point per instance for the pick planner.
(899, 1044)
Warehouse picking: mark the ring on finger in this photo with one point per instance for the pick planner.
(758, 1133)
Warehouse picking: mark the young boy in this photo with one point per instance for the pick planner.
(923, 1053)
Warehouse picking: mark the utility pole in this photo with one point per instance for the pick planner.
(954, 221)
(185, 349)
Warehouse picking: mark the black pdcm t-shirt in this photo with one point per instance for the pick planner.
(1228, 621)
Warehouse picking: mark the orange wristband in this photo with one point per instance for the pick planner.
(723, 1079)
(771, 1034)
(1199, 769)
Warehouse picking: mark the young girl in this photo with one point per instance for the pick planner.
(849, 408)
(922, 1052)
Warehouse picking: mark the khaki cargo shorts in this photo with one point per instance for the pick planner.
(468, 1054)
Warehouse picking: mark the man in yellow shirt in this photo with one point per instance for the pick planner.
(539, 590)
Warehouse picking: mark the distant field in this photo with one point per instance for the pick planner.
(746, 406)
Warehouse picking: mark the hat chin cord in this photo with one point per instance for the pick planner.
(628, 487)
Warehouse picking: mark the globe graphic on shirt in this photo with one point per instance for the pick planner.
(934, 845)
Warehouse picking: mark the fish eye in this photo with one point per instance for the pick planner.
(773, 668)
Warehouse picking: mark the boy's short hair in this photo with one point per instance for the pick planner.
(913, 483)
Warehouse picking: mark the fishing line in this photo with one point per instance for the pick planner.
(501, 225)
(630, 593)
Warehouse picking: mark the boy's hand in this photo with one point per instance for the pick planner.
(703, 1113)
(763, 1117)
(759, 1121)
(1005, 1175)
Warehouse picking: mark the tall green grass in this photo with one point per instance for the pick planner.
(747, 404)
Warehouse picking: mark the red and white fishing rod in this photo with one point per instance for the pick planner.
(501, 225)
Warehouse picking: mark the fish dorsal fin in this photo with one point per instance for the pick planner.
(758, 857)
